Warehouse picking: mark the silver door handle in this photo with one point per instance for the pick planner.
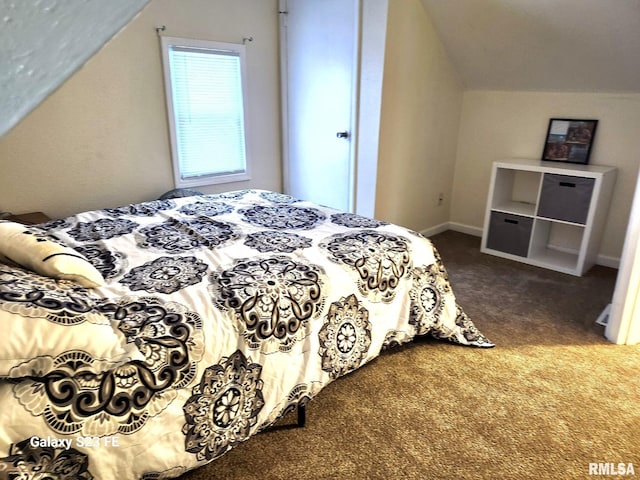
(344, 134)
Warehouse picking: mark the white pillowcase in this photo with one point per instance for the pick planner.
(31, 248)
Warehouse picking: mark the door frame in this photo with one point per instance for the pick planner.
(284, 94)
(623, 326)
(355, 101)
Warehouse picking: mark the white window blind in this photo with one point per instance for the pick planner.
(205, 98)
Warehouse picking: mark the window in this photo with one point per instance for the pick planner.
(204, 85)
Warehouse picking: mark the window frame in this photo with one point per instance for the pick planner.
(217, 178)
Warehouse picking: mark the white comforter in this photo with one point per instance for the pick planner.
(220, 313)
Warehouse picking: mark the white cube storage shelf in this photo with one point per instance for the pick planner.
(547, 214)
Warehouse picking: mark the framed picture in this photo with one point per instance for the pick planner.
(569, 140)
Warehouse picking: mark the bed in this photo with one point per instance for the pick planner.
(144, 341)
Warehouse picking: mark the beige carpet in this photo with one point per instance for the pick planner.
(551, 398)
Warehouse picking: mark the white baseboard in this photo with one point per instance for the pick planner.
(456, 227)
(607, 261)
(429, 232)
(468, 229)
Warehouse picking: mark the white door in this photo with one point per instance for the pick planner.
(319, 55)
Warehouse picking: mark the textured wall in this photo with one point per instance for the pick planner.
(45, 41)
(102, 138)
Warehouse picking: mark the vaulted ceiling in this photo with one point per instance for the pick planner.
(555, 45)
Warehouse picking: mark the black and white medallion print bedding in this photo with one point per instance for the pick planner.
(218, 314)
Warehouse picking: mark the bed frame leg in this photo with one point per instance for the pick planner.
(302, 415)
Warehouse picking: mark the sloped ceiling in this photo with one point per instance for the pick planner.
(553, 45)
(545, 45)
(42, 42)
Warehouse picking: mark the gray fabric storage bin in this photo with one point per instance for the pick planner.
(509, 233)
(564, 197)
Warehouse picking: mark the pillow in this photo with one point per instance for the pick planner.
(33, 249)
(179, 193)
(41, 320)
